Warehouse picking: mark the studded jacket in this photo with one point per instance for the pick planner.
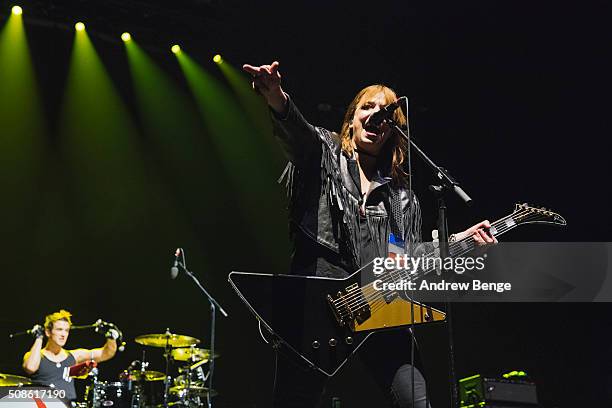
(327, 207)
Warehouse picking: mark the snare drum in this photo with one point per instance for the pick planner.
(114, 395)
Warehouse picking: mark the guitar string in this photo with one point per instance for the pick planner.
(469, 243)
(373, 296)
(391, 276)
(500, 230)
(452, 246)
(377, 300)
(361, 299)
(357, 299)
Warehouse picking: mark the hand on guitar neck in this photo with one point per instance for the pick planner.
(480, 233)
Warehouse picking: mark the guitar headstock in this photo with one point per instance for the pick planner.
(525, 214)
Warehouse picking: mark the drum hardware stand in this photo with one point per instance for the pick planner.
(167, 372)
(186, 398)
(92, 388)
(447, 183)
(142, 381)
(187, 387)
(213, 307)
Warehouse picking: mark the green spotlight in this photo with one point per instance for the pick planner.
(23, 156)
(100, 159)
(176, 48)
(222, 117)
(126, 37)
(79, 26)
(218, 59)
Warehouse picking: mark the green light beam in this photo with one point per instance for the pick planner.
(22, 124)
(255, 108)
(225, 121)
(166, 112)
(114, 191)
(246, 163)
(172, 121)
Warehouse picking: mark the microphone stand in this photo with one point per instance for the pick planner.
(213, 307)
(447, 183)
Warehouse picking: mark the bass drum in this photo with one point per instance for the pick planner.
(112, 395)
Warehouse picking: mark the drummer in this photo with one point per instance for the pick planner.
(49, 365)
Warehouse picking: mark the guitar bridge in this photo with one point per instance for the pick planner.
(349, 306)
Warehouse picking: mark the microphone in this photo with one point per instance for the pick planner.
(377, 118)
(175, 270)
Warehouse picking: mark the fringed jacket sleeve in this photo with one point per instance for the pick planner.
(298, 138)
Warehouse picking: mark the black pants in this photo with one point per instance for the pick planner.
(386, 356)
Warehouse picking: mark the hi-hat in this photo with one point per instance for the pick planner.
(191, 354)
(166, 340)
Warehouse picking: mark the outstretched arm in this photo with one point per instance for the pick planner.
(298, 138)
(99, 354)
(104, 353)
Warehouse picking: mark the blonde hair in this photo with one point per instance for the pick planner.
(54, 317)
(395, 150)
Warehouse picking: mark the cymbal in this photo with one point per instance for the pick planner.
(166, 340)
(191, 354)
(147, 375)
(197, 390)
(10, 380)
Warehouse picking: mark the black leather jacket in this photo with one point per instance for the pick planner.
(324, 192)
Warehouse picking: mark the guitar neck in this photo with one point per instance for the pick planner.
(461, 247)
(468, 244)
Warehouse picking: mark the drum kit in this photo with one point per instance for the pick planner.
(139, 387)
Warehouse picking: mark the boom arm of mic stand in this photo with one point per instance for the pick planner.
(441, 173)
(197, 282)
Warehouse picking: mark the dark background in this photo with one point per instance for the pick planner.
(513, 97)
